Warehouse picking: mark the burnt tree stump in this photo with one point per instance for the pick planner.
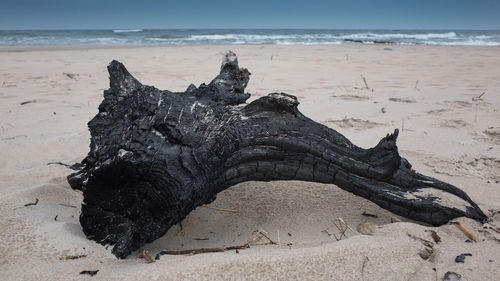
(157, 155)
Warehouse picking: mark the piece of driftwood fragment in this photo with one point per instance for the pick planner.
(256, 236)
(369, 215)
(464, 230)
(66, 258)
(157, 155)
(89, 272)
(32, 204)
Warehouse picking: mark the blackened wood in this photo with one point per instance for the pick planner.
(157, 155)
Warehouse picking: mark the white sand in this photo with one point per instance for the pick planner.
(445, 134)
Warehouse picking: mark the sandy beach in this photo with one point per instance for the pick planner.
(444, 99)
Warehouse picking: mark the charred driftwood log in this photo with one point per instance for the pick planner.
(157, 155)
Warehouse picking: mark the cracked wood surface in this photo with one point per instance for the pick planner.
(157, 155)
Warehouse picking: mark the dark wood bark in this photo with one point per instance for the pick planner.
(157, 155)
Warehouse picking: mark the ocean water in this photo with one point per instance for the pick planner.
(247, 36)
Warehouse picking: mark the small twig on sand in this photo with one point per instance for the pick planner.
(478, 97)
(364, 81)
(75, 167)
(247, 244)
(425, 242)
(67, 258)
(327, 232)
(182, 232)
(66, 205)
(342, 227)
(363, 267)
(146, 256)
(464, 230)
(369, 215)
(32, 204)
(70, 75)
(220, 209)
(349, 227)
(28, 101)
(89, 272)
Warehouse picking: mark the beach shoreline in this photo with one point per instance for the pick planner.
(444, 99)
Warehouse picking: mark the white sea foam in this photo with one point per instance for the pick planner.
(281, 37)
(126, 30)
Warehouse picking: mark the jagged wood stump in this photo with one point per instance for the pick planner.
(157, 155)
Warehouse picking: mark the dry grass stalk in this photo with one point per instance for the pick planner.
(220, 209)
(342, 227)
(363, 267)
(182, 232)
(146, 256)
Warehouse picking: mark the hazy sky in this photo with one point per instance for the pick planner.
(389, 14)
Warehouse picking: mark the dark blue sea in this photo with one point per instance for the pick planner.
(248, 36)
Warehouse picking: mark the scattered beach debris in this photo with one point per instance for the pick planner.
(366, 84)
(451, 276)
(366, 214)
(478, 98)
(435, 236)
(75, 167)
(367, 228)
(182, 232)
(70, 75)
(89, 272)
(289, 234)
(67, 205)
(145, 255)
(428, 250)
(8, 84)
(426, 253)
(55, 218)
(395, 219)
(14, 137)
(201, 239)
(28, 101)
(461, 257)
(342, 226)
(220, 209)
(252, 241)
(327, 231)
(403, 100)
(383, 110)
(67, 258)
(464, 230)
(32, 204)
(425, 242)
(416, 86)
(365, 260)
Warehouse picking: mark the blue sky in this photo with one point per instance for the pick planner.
(375, 14)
